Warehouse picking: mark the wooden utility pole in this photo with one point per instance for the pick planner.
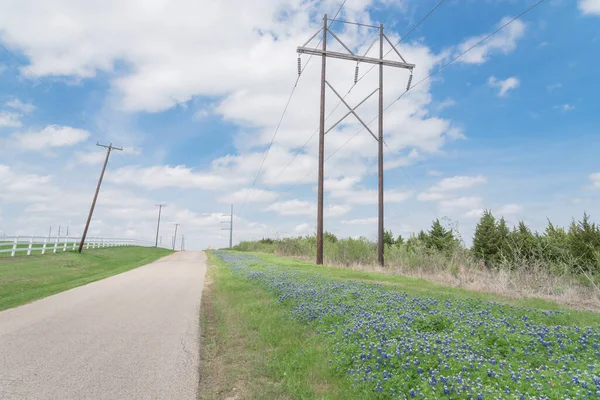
(230, 229)
(380, 227)
(160, 206)
(321, 149)
(109, 148)
(175, 236)
(351, 56)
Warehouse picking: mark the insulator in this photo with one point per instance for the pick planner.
(356, 74)
(409, 82)
(299, 66)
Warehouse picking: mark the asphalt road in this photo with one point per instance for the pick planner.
(130, 336)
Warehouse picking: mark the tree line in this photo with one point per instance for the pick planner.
(495, 244)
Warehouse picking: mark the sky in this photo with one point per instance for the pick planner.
(194, 92)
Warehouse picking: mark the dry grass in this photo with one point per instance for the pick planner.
(215, 355)
(527, 281)
(521, 283)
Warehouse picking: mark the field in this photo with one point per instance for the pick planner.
(279, 328)
(24, 279)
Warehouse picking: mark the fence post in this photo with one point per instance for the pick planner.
(102, 243)
(65, 244)
(74, 243)
(44, 246)
(55, 245)
(30, 245)
(14, 248)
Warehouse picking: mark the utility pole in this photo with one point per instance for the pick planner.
(160, 206)
(380, 227)
(59, 231)
(351, 56)
(50, 231)
(109, 148)
(182, 242)
(230, 229)
(321, 173)
(175, 236)
(67, 230)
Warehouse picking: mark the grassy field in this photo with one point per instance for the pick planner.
(280, 328)
(24, 279)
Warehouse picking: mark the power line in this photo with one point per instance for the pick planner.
(14, 57)
(297, 153)
(280, 121)
(421, 81)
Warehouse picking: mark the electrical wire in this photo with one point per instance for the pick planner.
(297, 153)
(281, 120)
(423, 80)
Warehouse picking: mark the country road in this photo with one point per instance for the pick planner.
(130, 336)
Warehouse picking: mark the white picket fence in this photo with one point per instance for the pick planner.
(29, 244)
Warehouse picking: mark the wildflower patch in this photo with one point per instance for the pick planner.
(395, 345)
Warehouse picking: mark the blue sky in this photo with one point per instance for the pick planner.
(193, 91)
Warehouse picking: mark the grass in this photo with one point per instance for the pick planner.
(553, 274)
(250, 349)
(423, 287)
(282, 328)
(24, 279)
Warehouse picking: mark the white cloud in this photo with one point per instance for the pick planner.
(51, 136)
(20, 187)
(468, 202)
(249, 196)
(474, 213)
(336, 210)
(591, 7)
(360, 221)
(369, 196)
(431, 196)
(9, 119)
(445, 104)
(90, 157)
(292, 207)
(503, 85)
(503, 42)
(510, 209)
(164, 176)
(302, 229)
(299, 207)
(344, 183)
(595, 178)
(565, 107)
(18, 105)
(457, 182)
(442, 189)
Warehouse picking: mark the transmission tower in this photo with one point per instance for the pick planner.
(351, 56)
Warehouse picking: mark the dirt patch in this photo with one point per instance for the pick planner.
(215, 371)
(210, 370)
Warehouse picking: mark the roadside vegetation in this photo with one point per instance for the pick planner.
(24, 279)
(558, 264)
(288, 329)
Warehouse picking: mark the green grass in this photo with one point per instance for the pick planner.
(257, 352)
(254, 351)
(24, 279)
(422, 287)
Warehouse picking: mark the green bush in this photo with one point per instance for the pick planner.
(557, 250)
